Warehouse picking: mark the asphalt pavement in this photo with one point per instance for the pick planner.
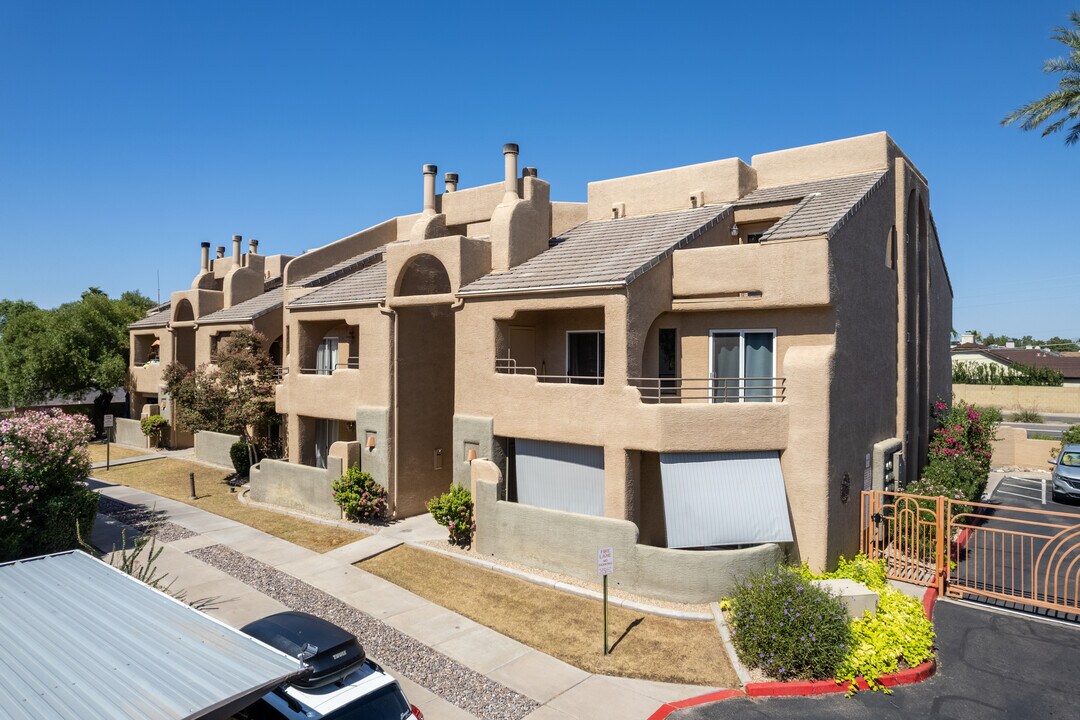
(991, 664)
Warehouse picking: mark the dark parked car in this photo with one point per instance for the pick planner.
(343, 683)
(1066, 477)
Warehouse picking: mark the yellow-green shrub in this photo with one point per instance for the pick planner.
(898, 631)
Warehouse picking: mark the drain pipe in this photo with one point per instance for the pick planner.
(392, 455)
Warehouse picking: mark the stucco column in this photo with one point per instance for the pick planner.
(510, 160)
(429, 188)
(236, 240)
(204, 262)
(622, 470)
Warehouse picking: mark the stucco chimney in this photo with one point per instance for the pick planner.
(220, 251)
(253, 246)
(529, 172)
(205, 264)
(510, 158)
(450, 180)
(236, 240)
(429, 188)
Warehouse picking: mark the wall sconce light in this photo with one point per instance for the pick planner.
(370, 443)
(472, 455)
(734, 229)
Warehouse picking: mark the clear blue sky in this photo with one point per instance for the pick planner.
(130, 132)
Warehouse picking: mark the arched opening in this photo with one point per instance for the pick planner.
(183, 312)
(424, 275)
(890, 249)
(184, 337)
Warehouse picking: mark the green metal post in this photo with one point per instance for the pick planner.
(605, 617)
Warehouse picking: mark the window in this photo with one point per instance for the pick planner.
(754, 237)
(585, 357)
(326, 356)
(742, 366)
(668, 361)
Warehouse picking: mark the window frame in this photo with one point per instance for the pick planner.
(601, 360)
(713, 332)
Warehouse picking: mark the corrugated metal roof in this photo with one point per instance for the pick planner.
(84, 641)
(603, 253)
(366, 286)
(153, 320)
(248, 310)
(824, 204)
(343, 268)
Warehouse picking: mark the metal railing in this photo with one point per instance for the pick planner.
(713, 389)
(348, 365)
(509, 366)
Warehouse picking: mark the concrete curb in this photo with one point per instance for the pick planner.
(566, 587)
(729, 647)
(812, 687)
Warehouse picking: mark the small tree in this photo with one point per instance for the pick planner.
(233, 394)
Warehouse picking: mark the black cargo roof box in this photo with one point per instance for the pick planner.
(337, 651)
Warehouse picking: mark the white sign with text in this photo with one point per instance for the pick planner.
(605, 561)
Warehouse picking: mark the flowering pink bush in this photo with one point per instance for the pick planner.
(960, 450)
(42, 461)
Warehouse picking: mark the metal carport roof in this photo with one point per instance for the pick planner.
(83, 640)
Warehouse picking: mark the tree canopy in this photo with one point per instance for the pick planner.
(1053, 111)
(78, 347)
(1055, 343)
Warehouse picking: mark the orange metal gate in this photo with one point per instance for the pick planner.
(1000, 553)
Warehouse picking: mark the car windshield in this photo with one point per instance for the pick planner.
(1070, 459)
(386, 703)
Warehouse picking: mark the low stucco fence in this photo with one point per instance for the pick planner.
(129, 432)
(1013, 448)
(213, 447)
(302, 487)
(553, 540)
(1064, 399)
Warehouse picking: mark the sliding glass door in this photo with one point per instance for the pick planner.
(743, 365)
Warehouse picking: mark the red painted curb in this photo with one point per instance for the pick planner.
(805, 688)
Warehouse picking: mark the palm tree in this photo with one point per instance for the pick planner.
(1066, 99)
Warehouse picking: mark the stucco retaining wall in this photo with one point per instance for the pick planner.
(1064, 399)
(297, 487)
(554, 540)
(1013, 448)
(129, 432)
(213, 447)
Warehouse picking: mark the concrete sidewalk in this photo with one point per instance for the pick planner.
(562, 691)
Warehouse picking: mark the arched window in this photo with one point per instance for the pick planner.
(424, 275)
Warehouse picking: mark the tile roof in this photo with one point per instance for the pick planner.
(366, 286)
(824, 204)
(1067, 366)
(154, 320)
(343, 268)
(603, 253)
(248, 310)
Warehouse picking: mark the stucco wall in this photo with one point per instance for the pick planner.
(129, 432)
(1013, 448)
(567, 543)
(1021, 397)
(297, 487)
(213, 447)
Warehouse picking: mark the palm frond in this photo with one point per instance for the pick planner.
(1066, 99)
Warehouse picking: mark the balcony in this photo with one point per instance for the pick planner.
(710, 390)
(146, 376)
(509, 366)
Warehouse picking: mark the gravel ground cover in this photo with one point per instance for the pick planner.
(146, 520)
(465, 688)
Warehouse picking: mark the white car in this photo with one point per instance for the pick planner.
(342, 685)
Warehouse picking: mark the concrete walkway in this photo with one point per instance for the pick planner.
(563, 691)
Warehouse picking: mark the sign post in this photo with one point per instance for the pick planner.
(605, 565)
(109, 422)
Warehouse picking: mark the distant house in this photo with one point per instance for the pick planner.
(1068, 364)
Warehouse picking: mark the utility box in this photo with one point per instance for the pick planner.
(857, 598)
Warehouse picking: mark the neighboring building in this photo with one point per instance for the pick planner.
(228, 293)
(1068, 364)
(717, 355)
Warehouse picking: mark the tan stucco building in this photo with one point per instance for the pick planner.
(700, 366)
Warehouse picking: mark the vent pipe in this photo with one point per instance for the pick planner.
(220, 251)
(205, 264)
(510, 159)
(236, 240)
(429, 188)
(253, 246)
(450, 181)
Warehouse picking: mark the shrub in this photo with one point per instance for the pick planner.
(1027, 416)
(454, 511)
(241, 457)
(963, 473)
(43, 461)
(359, 496)
(976, 373)
(153, 425)
(1070, 436)
(789, 627)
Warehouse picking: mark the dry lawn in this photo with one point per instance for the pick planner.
(169, 478)
(116, 452)
(563, 625)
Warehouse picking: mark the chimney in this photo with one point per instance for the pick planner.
(220, 251)
(510, 158)
(1010, 344)
(529, 172)
(967, 339)
(205, 265)
(236, 240)
(253, 246)
(429, 188)
(450, 180)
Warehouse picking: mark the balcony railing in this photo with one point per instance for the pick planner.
(350, 365)
(713, 389)
(509, 366)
